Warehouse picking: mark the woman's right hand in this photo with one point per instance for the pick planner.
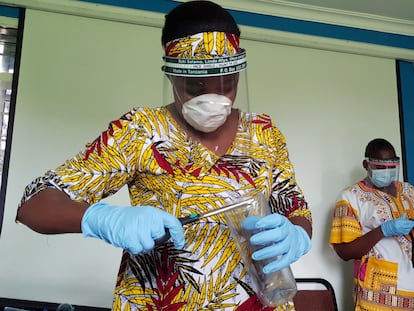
(131, 228)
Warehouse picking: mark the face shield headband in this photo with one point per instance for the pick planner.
(203, 55)
(389, 163)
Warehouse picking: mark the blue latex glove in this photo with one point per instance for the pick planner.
(399, 226)
(281, 239)
(131, 228)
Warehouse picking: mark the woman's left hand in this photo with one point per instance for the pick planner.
(281, 239)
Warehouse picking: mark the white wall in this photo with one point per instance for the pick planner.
(77, 74)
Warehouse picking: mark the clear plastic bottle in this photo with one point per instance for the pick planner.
(275, 288)
(272, 289)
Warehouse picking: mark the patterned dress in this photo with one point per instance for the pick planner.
(163, 167)
(383, 278)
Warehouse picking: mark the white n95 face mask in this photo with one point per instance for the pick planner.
(207, 112)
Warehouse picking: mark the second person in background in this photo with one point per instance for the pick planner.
(373, 226)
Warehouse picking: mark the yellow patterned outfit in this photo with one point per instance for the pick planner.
(163, 167)
(383, 278)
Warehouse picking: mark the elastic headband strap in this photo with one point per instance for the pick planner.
(203, 45)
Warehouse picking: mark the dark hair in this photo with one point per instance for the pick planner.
(195, 17)
(376, 145)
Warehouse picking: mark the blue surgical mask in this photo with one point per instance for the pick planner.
(383, 177)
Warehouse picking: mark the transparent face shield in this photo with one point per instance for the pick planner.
(382, 172)
(186, 79)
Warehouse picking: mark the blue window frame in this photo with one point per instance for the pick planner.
(405, 76)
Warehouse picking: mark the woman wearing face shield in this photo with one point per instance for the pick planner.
(196, 153)
(373, 225)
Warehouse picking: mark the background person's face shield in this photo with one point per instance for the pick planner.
(382, 172)
(188, 76)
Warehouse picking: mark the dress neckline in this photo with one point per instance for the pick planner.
(172, 122)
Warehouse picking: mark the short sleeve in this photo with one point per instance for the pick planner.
(345, 225)
(101, 169)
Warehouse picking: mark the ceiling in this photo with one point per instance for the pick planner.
(389, 9)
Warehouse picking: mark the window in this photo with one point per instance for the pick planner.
(11, 30)
(7, 54)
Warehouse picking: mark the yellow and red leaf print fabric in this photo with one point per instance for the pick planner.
(204, 45)
(148, 152)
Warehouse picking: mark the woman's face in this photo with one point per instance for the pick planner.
(186, 88)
